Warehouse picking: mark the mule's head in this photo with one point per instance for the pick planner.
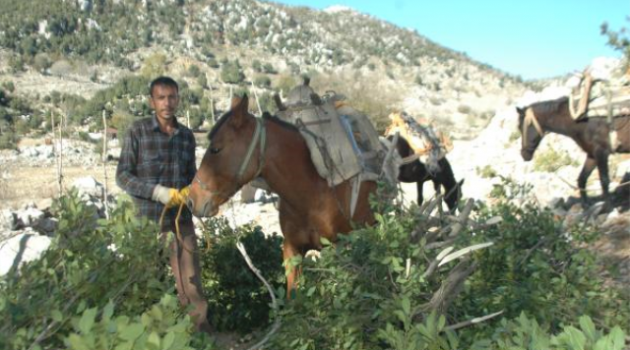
(531, 134)
(226, 165)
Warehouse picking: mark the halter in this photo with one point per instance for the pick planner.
(530, 119)
(260, 138)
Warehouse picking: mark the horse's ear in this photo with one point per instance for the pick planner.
(236, 100)
(239, 110)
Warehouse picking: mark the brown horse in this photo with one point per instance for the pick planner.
(243, 147)
(416, 171)
(591, 134)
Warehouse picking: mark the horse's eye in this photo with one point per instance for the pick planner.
(214, 150)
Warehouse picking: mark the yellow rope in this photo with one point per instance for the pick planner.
(178, 234)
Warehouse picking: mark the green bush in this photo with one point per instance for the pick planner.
(526, 333)
(487, 172)
(552, 160)
(263, 81)
(464, 109)
(536, 266)
(237, 299)
(8, 140)
(232, 73)
(90, 264)
(194, 71)
(162, 327)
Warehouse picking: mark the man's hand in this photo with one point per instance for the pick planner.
(170, 197)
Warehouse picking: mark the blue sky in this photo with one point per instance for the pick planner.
(533, 38)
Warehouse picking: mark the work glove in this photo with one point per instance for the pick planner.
(170, 197)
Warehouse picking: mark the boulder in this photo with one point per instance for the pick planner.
(8, 220)
(29, 217)
(22, 248)
(88, 186)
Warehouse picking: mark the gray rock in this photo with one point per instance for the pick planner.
(29, 217)
(88, 186)
(557, 202)
(8, 220)
(22, 248)
(47, 226)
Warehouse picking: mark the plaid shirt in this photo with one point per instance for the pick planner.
(150, 157)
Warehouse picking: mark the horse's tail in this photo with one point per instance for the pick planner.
(453, 189)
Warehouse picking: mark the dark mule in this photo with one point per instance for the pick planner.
(417, 172)
(591, 134)
(309, 209)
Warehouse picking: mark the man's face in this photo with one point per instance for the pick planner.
(164, 101)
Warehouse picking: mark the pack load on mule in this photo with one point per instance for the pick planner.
(428, 145)
(601, 90)
(343, 143)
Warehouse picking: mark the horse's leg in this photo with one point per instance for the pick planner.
(419, 185)
(604, 180)
(437, 186)
(587, 169)
(292, 272)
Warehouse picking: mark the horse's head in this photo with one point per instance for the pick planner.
(233, 158)
(531, 132)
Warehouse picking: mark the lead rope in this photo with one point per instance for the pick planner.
(178, 234)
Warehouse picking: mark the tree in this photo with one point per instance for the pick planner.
(154, 65)
(202, 81)
(619, 40)
(257, 66)
(232, 72)
(194, 70)
(268, 68)
(262, 81)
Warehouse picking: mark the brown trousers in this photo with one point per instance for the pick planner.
(184, 258)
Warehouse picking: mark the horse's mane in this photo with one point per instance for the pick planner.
(275, 119)
(546, 107)
(265, 116)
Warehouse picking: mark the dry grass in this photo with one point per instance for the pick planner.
(23, 185)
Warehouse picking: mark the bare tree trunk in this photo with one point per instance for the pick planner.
(55, 151)
(188, 118)
(60, 157)
(105, 189)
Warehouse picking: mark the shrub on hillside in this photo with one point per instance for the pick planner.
(552, 160)
(262, 81)
(232, 72)
(8, 139)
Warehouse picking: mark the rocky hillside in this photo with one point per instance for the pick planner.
(218, 47)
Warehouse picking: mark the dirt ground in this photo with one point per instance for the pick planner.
(23, 185)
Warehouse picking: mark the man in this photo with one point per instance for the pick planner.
(157, 164)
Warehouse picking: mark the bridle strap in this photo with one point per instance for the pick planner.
(260, 136)
(530, 119)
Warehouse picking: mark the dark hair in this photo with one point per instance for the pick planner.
(167, 81)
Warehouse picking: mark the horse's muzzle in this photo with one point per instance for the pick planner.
(202, 211)
(527, 155)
